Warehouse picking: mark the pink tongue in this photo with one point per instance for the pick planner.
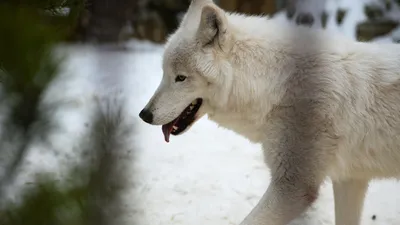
(166, 129)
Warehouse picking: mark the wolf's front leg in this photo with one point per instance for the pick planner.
(298, 158)
(299, 148)
(285, 199)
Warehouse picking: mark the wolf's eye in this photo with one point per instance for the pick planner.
(180, 78)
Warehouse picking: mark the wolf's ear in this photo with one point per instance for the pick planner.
(213, 25)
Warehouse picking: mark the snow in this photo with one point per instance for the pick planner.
(206, 176)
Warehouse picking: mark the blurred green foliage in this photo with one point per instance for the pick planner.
(27, 66)
(29, 31)
(49, 204)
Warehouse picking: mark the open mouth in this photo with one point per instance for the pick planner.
(183, 121)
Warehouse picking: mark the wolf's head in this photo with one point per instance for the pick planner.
(194, 62)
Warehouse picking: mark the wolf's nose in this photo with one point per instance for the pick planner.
(146, 116)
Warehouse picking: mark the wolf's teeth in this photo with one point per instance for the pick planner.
(175, 127)
(191, 107)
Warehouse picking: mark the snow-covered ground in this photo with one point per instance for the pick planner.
(207, 176)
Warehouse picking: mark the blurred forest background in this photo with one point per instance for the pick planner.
(29, 31)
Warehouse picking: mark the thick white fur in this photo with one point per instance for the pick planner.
(322, 106)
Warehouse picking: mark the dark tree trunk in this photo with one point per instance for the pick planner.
(104, 20)
(250, 6)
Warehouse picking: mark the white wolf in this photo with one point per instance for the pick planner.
(322, 106)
